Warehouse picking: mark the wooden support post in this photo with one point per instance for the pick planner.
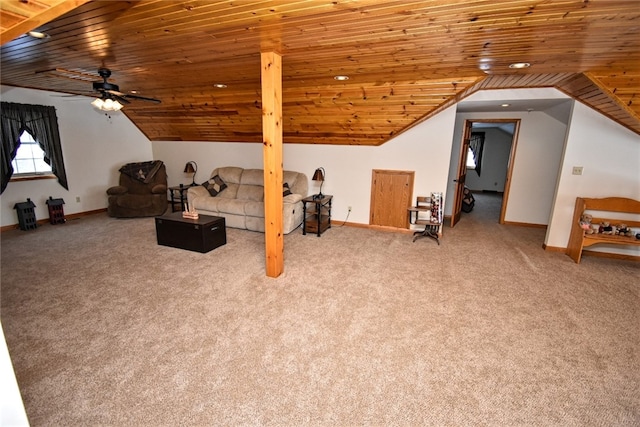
(272, 158)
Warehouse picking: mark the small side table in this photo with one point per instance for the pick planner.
(317, 215)
(431, 226)
(179, 191)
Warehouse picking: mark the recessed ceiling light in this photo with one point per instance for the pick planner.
(38, 35)
(505, 105)
(219, 85)
(341, 78)
(519, 65)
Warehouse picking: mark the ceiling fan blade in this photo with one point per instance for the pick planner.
(132, 96)
(121, 99)
(143, 98)
(114, 92)
(78, 96)
(71, 97)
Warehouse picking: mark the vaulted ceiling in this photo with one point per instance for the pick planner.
(406, 60)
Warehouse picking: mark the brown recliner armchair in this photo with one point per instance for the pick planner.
(142, 191)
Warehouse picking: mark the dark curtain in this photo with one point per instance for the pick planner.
(42, 123)
(477, 145)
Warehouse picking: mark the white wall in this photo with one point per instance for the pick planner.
(94, 147)
(424, 149)
(495, 157)
(610, 156)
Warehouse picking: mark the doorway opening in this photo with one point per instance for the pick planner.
(492, 145)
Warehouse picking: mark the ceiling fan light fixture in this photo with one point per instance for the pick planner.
(98, 103)
(106, 104)
(112, 106)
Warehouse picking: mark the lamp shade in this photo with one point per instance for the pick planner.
(188, 168)
(191, 167)
(318, 175)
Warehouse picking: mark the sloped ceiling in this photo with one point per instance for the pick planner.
(406, 60)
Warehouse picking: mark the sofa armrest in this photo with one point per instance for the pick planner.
(197, 191)
(117, 190)
(159, 189)
(292, 198)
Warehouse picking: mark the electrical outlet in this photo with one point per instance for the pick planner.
(349, 208)
(577, 170)
(77, 199)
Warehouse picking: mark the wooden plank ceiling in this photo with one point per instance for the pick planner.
(406, 60)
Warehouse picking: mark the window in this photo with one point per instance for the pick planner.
(471, 161)
(41, 122)
(474, 156)
(29, 158)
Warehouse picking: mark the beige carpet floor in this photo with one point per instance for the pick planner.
(106, 328)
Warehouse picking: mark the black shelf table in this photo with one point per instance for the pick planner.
(316, 214)
(179, 192)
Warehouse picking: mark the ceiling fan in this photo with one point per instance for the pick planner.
(111, 98)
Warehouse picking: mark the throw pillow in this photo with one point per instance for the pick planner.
(215, 185)
(285, 189)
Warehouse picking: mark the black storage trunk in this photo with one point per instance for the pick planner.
(200, 235)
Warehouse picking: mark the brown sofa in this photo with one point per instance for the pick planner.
(142, 191)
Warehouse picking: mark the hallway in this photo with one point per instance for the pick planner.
(486, 209)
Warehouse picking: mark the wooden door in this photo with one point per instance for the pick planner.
(461, 176)
(390, 197)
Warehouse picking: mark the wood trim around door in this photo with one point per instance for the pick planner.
(461, 174)
(510, 165)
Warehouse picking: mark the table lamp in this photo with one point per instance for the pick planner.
(318, 175)
(191, 167)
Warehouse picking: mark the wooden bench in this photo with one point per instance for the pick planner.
(578, 239)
